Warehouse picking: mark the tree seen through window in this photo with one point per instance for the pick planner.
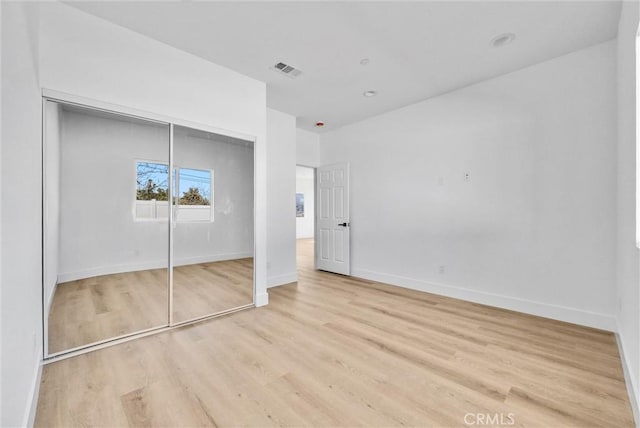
(152, 181)
(193, 188)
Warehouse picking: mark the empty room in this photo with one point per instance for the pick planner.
(322, 214)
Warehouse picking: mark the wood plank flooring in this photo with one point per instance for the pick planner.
(207, 288)
(338, 351)
(101, 307)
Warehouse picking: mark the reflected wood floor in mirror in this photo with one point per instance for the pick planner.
(206, 288)
(336, 351)
(101, 307)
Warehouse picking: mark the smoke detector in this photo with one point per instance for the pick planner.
(286, 69)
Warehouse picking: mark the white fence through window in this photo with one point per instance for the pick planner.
(153, 209)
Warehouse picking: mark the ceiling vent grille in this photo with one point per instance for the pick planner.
(287, 70)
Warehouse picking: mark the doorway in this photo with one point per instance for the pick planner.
(305, 217)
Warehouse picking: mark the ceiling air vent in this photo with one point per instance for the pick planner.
(287, 70)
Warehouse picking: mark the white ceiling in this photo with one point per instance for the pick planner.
(416, 49)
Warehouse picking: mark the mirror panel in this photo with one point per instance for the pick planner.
(213, 223)
(106, 225)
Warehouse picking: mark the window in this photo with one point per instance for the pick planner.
(152, 191)
(193, 195)
(192, 199)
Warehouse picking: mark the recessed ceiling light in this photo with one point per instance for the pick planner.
(369, 94)
(502, 40)
(319, 124)
(364, 61)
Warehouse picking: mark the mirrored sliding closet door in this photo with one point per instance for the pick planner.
(106, 224)
(212, 224)
(146, 225)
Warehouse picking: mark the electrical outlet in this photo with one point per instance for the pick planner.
(467, 176)
(441, 269)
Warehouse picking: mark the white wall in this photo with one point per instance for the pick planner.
(628, 266)
(307, 148)
(21, 215)
(305, 185)
(534, 227)
(89, 57)
(281, 209)
(98, 231)
(1, 224)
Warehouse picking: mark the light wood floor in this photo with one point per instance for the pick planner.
(98, 308)
(338, 351)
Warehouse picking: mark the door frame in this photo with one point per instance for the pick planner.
(315, 212)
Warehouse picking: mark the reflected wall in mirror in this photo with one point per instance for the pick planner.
(213, 223)
(106, 225)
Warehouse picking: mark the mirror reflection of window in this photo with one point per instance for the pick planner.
(152, 190)
(195, 201)
(193, 197)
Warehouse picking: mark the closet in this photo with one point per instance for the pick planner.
(147, 224)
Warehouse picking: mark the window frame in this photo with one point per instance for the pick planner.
(176, 198)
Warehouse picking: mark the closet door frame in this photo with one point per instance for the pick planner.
(82, 102)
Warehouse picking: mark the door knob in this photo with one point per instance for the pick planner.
(344, 224)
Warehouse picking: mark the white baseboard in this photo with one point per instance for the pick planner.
(262, 299)
(122, 268)
(288, 278)
(561, 313)
(34, 391)
(630, 380)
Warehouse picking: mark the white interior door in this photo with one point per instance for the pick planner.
(332, 222)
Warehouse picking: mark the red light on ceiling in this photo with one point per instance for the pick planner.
(319, 124)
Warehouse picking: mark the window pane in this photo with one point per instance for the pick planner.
(152, 186)
(195, 187)
(194, 195)
(153, 181)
